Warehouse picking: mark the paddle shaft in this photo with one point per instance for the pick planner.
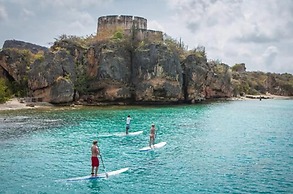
(103, 162)
(156, 133)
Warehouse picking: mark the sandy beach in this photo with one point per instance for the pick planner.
(263, 97)
(15, 104)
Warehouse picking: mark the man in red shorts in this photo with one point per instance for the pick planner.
(95, 160)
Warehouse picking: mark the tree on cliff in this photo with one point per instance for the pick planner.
(5, 93)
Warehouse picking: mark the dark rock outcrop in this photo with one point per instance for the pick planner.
(108, 67)
(21, 45)
(156, 74)
(52, 78)
(205, 80)
(257, 83)
(14, 65)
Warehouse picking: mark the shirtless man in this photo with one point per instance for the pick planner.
(95, 160)
(152, 135)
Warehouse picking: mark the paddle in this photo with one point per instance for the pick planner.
(104, 166)
(156, 133)
(103, 163)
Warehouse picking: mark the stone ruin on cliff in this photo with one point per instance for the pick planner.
(132, 26)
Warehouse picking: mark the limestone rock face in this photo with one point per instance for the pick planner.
(195, 75)
(279, 84)
(14, 64)
(205, 80)
(219, 81)
(156, 74)
(52, 78)
(257, 83)
(121, 71)
(62, 91)
(108, 66)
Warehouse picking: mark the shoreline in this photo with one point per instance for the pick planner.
(263, 97)
(15, 104)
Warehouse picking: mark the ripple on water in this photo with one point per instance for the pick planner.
(231, 147)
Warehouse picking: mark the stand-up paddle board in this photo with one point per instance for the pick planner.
(129, 134)
(156, 146)
(121, 134)
(99, 176)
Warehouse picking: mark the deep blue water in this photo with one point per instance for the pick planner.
(221, 147)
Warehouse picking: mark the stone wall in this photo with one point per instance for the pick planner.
(121, 21)
(142, 34)
(132, 26)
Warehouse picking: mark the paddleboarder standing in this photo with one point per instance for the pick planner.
(95, 160)
(128, 120)
(152, 135)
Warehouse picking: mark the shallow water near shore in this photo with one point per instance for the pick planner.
(221, 147)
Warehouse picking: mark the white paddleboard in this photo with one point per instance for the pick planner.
(121, 134)
(129, 134)
(99, 176)
(156, 146)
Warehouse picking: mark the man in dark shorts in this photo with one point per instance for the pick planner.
(128, 120)
(95, 160)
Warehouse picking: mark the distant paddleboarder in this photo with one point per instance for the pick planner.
(128, 120)
(95, 160)
(152, 135)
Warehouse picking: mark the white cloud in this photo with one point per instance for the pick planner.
(74, 3)
(270, 56)
(155, 25)
(236, 31)
(81, 23)
(3, 13)
(26, 14)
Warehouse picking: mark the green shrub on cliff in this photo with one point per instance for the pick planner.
(238, 67)
(199, 51)
(118, 35)
(19, 89)
(176, 46)
(81, 83)
(5, 93)
(39, 56)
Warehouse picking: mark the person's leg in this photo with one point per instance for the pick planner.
(96, 171)
(92, 171)
(150, 141)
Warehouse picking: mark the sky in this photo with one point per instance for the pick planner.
(258, 33)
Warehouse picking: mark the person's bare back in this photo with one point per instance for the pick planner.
(95, 151)
(152, 135)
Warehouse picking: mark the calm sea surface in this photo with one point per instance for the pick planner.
(221, 147)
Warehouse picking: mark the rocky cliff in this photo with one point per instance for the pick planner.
(257, 83)
(122, 71)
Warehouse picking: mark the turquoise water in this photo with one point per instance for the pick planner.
(222, 147)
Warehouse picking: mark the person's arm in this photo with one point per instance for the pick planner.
(98, 151)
